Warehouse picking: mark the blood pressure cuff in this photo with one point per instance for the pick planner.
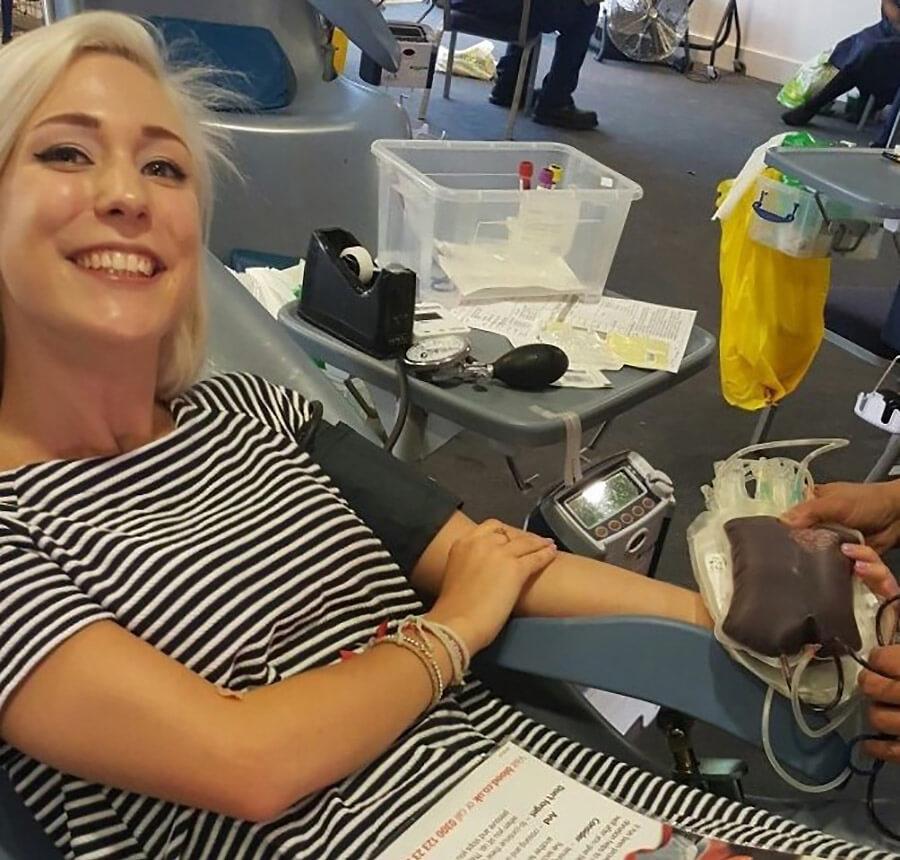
(404, 508)
(792, 587)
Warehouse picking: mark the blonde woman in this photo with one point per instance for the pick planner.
(181, 583)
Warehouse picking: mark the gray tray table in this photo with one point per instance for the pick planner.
(863, 178)
(501, 414)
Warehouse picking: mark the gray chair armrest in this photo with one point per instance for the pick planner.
(670, 664)
(365, 27)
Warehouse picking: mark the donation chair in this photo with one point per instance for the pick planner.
(490, 28)
(303, 157)
(641, 657)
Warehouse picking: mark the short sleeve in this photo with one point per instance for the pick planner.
(40, 607)
(403, 508)
(284, 410)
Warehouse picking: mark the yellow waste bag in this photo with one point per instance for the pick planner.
(773, 313)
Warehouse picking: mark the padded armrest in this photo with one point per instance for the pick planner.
(670, 664)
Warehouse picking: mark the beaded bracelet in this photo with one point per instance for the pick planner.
(454, 646)
(411, 635)
(426, 659)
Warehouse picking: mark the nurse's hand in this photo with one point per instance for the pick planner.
(869, 567)
(884, 701)
(883, 693)
(873, 509)
(486, 572)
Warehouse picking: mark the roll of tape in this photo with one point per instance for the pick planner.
(361, 262)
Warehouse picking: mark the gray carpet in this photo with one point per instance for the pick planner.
(678, 139)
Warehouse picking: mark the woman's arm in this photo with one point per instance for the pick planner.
(108, 707)
(572, 586)
(111, 709)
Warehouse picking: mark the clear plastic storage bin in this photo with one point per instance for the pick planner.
(454, 213)
(788, 219)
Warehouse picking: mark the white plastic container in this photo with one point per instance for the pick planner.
(788, 219)
(454, 213)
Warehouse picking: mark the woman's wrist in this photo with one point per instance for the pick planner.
(459, 625)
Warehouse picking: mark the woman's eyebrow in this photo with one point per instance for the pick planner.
(154, 132)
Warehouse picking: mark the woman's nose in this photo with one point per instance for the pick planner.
(121, 194)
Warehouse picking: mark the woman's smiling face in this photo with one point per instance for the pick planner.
(100, 225)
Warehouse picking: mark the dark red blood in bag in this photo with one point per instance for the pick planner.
(792, 587)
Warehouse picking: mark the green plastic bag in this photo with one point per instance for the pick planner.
(809, 80)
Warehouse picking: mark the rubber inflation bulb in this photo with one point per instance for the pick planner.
(360, 262)
(532, 366)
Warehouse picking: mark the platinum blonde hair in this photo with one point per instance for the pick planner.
(29, 69)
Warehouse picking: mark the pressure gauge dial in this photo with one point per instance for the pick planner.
(436, 353)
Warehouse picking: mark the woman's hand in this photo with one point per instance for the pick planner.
(486, 572)
(883, 693)
(874, 509)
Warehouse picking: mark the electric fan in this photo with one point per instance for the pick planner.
(649, 31)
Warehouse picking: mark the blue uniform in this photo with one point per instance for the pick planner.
(872, 57)
(574, 20)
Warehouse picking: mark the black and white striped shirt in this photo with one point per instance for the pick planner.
(225, 546)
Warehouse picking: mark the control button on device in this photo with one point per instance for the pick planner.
(615, 526)
(601, 533)
(627, 519)
(638, 512)
(648, 503)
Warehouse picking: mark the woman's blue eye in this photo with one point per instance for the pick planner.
(62, 155)
(165, 170)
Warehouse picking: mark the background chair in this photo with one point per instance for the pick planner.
(307, 164)
(489, 28)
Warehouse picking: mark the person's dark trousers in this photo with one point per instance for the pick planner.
(6, 6)
(572, 19)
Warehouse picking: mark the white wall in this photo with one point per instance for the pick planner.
(781, 34)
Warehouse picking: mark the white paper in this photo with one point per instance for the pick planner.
(520, 322)
(546, 224)
(663, 332)
(582, 377)
(272, 288)
(501, 270)
(514, 805)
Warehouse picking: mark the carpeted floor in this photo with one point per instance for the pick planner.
(678, 139)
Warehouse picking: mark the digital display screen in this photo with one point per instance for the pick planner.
(602, 499)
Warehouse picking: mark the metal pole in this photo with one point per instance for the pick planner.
(763, 425)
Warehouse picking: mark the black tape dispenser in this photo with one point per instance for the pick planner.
(347, 296)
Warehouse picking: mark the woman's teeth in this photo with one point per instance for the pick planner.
(117, 263)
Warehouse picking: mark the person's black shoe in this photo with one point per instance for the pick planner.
(504, 98)
(799, 116)
(568, 117)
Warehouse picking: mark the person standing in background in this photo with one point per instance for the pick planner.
(575, 21)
